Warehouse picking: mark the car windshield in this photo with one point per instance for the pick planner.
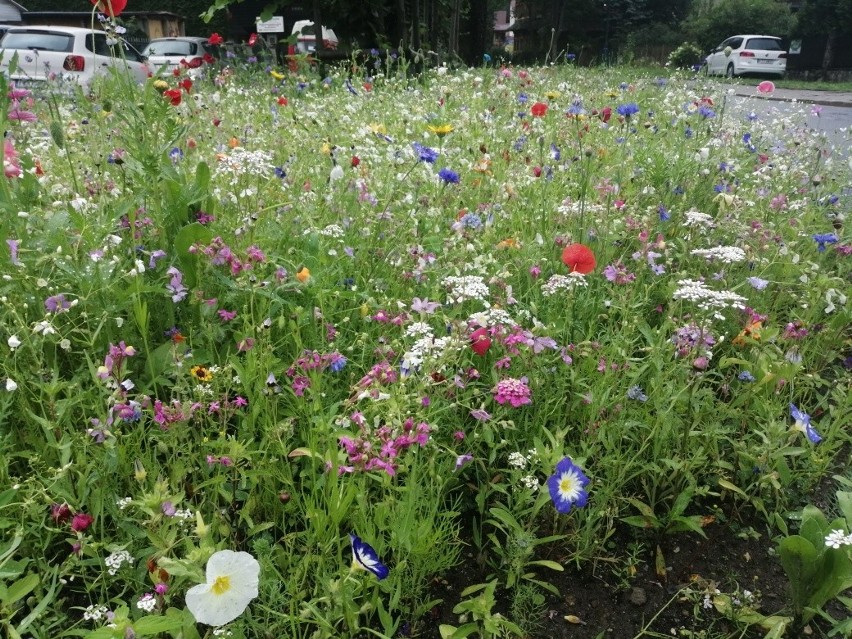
(171, 48)
(763, 44)
(38, 40)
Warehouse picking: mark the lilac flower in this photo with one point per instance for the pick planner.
(567, 486)
(758, 283)
(175, 286)
(803, 423)
(56, 304)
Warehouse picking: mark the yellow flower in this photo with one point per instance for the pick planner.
(378, 129)
(303, 275)
(440, 129)
(276, 75)
(201, 373)
(161, 85)
(552, 95)
(232, 582)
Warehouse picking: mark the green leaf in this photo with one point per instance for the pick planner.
(844, 502)
(547, 563)
(799, 559)
(20, 589)
(155, 624)
(186, 237)
(724, 483)
(451, 632)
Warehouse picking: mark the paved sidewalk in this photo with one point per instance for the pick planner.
(827, 98)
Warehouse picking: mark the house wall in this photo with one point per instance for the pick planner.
(9, 13)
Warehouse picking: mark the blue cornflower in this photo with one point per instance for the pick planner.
(571, 57)
(803, 424)
(664, 213)
(555, 153)
(752, 116)
(424, 153)
(338, 362)
(706, 112)
(519, 143)
(576, 108)
(471, 221)
(175, 154)
(522, 98)
(486, 58)
(824, 238)
(635, 392)
(688, 133)
(745, 376)
(626, 110)
(568, 486)
(448, 176)
(365, 558)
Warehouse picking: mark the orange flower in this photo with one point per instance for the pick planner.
(751, 331)
(509, 242)
(303, 275)
(579, 258)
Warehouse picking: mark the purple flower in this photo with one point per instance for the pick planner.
(175, 285)
(758, 283)
(626, 110)
(365, 558)
(56, 304)
(513, 391)
(448, 176)
(424, 153)
(480, 415)
(461, 460)
(824, 238)
(13, 251)
(424, 306)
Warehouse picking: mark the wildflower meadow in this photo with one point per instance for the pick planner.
(285, 349)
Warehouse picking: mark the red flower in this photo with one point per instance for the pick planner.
(539, 109)
(479, 341)
(215, 39)
(173, 95)
(81, 521)
(606, 114)
(186, 84)
(355, 161)
(60, 513)
(579, 258)
(282, 101)
(110, 7)
(252, 39)
(207, 58)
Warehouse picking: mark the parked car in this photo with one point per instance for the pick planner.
(741, 54)
(69, 54)
(170, 53)
(306, 40)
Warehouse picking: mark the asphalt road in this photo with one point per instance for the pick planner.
(825, 111)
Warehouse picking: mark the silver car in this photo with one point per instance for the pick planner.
(741, 54)
(168, 54)
(66, 54)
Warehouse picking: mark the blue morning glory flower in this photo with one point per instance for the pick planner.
(824, 238)
(568, 486)
(803, 423)
(424, 153)
(365, 558)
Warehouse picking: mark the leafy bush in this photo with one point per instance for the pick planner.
(685, 56)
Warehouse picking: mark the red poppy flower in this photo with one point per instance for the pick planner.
(252, 39)
(539, 109)
(282, 101)
(173, 95)
(215, 39)
(110, 7)
(579, 258)
(186, 84)
(355, 161)
(479, 341)
(207, 58)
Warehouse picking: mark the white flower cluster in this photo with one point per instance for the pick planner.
(222, 632)
(123, 503)
(576, 208)
(116, 560)
(557, 283)
(95, 612)
(837, 538)
(427, 347)
(467, 287)
(333, 230)
(530, 482)
(418, 329)
(519, 460)
(491, 317)
(725, 254)
(708, 299)
(242, 162)
(147, 602)
(698, 219)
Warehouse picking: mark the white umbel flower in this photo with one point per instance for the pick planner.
(232, 581)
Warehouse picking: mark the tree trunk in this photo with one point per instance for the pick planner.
(415, 25)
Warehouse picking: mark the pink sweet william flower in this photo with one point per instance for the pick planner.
(513, 391)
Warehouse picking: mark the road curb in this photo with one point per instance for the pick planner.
(802, 99)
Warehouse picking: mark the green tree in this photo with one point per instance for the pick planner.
(826, 17)
(711, 22)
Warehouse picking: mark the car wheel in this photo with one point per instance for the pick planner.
(729, 73)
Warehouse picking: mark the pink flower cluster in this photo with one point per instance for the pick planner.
(220, 254)
(513, 391)
(378, 449)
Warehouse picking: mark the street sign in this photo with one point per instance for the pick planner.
(274, 25)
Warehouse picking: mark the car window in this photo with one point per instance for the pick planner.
(172, 48)
(98, 44)
(39, 40)
(734, 43)
(763, 44)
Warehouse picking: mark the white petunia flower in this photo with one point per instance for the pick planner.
(232, 581)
